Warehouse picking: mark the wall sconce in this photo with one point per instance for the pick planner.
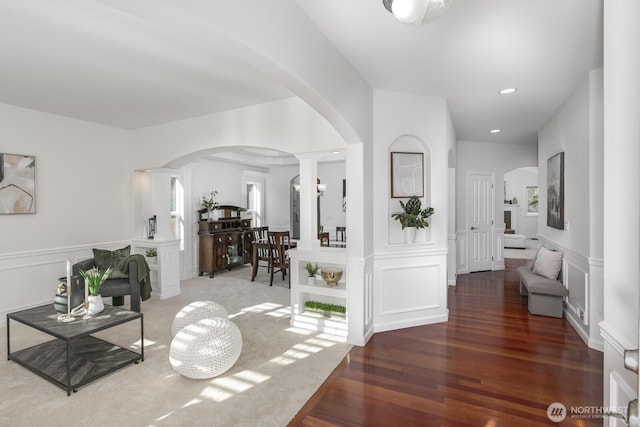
(152, 227)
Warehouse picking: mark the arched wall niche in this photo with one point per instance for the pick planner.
(413, 145)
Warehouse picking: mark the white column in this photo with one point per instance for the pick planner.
(621, 196)
(308, 201)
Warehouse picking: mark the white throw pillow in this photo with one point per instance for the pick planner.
(548, 263)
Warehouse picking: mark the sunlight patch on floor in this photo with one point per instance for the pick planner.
(222, 388)
(300, 331)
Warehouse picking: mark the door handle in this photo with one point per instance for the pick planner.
(473, 228)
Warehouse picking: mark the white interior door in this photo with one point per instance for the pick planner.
(480, 219)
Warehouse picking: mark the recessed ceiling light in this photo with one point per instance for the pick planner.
(495, 131)
(335, 152)
(508, 90)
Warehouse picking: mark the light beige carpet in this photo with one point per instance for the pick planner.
(279, 368)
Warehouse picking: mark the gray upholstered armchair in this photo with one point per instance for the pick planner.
(118, 287)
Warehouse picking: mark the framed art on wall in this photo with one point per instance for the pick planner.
(407, 174)
(555, 191)
(17, 184)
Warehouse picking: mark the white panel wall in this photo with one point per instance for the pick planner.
(410, 281)
(83, 200)
(573, 129)
(621, 195)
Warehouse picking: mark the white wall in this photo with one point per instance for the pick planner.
(83, 199)
(226, 178)
(621, 197)
(410, 280)
(575, 129)
(288, 125)
(568, 131)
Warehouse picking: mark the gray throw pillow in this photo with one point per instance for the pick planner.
(548, 263)
(114, 259)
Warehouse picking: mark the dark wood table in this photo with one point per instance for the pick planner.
(74, 357)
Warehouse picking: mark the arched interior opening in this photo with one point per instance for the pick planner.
(520, 193)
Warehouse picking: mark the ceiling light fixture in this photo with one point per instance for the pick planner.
(417, 11)
(495, 131)
(508, 91)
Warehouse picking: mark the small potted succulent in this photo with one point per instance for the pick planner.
(412, 217)
(312, 270)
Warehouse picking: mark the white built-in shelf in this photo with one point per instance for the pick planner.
(321, 288)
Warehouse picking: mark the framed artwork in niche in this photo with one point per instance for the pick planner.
(407, 174)
(17, 184)
(555, 191)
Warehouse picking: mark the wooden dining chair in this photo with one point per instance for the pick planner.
(260, 250)
(279, 243)
(341, 234)
(324, 238)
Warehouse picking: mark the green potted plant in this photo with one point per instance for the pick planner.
(152, 254)
(412, 217)
(327, 310)
(312, 270)
(93, 280)
(209, 202)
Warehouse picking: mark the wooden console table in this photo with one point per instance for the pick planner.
(224, 242)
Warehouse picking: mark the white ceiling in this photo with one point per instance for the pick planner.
(92, 62)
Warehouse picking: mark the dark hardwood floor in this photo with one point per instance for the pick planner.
(493, 364)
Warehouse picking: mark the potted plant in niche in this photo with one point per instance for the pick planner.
(327, 310)
(93, 280)
(412, 217)
(209, 202)
(312, 270)
(151, 254)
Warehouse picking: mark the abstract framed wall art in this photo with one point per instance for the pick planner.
(17, 184)
(407, 174)
(555, 191)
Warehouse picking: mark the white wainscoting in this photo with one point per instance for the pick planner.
(410, 289)
(620, 382)
(462, 251)
(29, 279)
(583, 306)
(452, 261)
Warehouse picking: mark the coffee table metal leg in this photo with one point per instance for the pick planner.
(8, 340)
(68, 372)
(142, 336)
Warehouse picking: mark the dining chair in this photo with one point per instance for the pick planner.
(324, 238)
(260, 250)
(341, 234)
(279, 243)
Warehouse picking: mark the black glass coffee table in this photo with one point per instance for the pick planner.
(74, 357)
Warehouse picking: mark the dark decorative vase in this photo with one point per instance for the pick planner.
(77, 294)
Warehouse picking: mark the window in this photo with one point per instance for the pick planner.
(176, 208)
(532, 200)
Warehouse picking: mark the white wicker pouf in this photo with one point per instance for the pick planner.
(206, 349)
(196, 311)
